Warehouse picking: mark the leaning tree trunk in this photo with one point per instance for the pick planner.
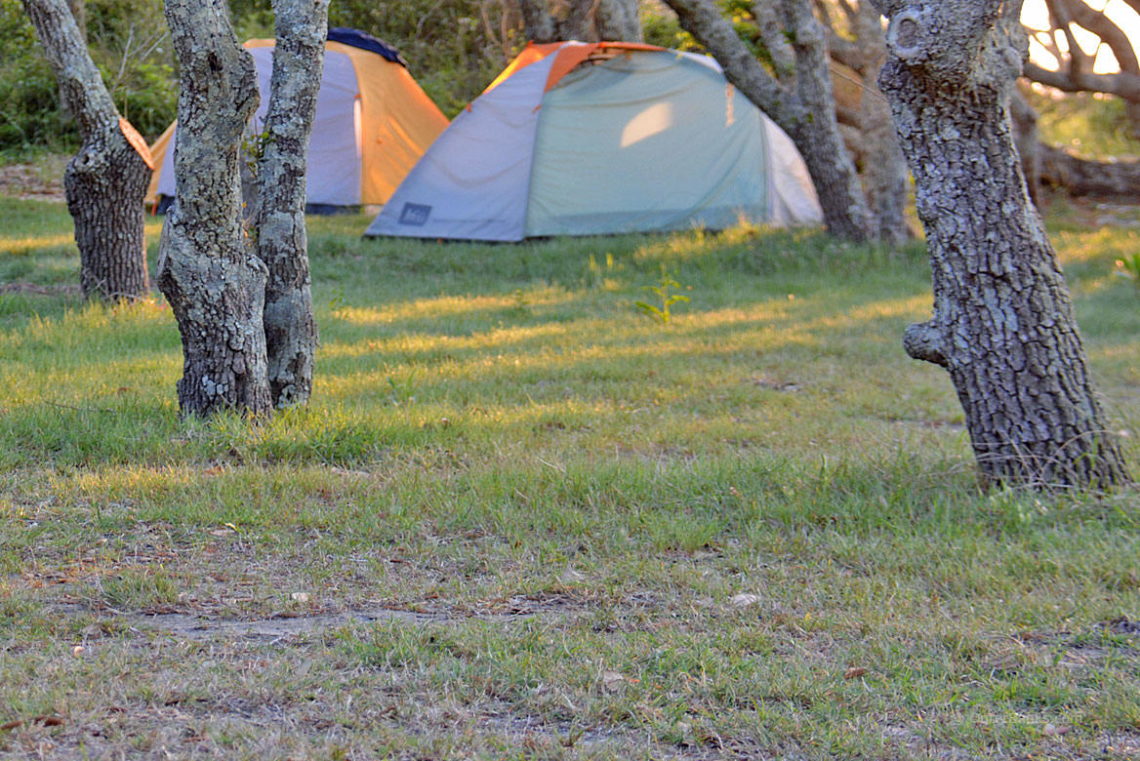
(282, 240)
(106, 181)
(801, 101)
(1003, 324)
(1084, 178)
(207, 269)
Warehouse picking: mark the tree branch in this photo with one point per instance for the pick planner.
(923, 340)
(771, 31)
(1124, 85)
(1104, 28)
(704, 22)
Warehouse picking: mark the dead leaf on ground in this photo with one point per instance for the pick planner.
(744, 600)
(854, 672)
(612, 681)
(570, 577)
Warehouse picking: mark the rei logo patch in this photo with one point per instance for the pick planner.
(415, 214)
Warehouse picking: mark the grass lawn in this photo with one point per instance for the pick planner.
(522, 519)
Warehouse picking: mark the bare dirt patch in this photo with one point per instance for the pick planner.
(33, 182)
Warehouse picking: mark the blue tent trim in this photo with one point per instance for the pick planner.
(364, 41)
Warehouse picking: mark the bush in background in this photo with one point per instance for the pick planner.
(128, 42)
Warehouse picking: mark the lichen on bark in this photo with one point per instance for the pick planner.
(208, 270)
(279, 207)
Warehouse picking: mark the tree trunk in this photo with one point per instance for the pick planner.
(1003, 324)
(584, 20)
(804, 107)
(106, 181)
(617, 20)
(207, 268)
(1083, 178)
(1023, 120)
(885, 175)
(558, 20)
(282, 240)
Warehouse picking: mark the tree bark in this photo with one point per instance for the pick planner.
(207, 268)
(1003, 324)
(282, 239)
(801, 103)
(105, 182)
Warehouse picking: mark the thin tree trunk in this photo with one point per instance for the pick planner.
(1023, 121)
(583, 20)
(617, 20)
(106, 181)
(282, 241)
(884, 171)
(207, 269)
(1003, 323)
(558, 20)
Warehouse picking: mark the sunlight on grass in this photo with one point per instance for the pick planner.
(448, 306)
(25, 246)
(756, 530)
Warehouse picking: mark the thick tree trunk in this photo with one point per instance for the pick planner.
(804, 107)
(1003, 324)
(207, 268)
(106, 181)
(105, 184)
(282, 239)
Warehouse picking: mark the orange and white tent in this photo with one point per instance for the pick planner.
(372, 123)
(593, 138)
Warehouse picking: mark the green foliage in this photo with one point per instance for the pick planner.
(127, 42)
(453, 49)
(1129, 267)
(667, 296)
(662, 28)
(29, 101)
(1092, 125)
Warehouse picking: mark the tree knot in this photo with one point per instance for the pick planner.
(906, 34)
(924, 341)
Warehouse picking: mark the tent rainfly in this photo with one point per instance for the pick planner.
(372, 123)
(594, 138)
